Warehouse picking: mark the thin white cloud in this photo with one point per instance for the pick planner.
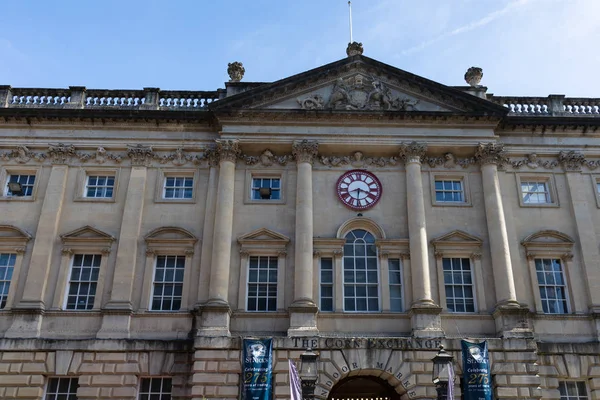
(469, 27)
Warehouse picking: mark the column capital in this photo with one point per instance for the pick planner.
(228, 150)
(491, 153)
(305, 151)
(140, 155)
(412, 152)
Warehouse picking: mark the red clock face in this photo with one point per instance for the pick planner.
(359, 189)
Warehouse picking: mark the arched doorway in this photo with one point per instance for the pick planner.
(363, 388)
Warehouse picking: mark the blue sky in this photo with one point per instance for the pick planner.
(525, 47)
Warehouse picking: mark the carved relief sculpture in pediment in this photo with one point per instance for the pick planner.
(358, 92)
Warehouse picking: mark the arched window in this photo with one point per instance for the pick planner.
(361, 272)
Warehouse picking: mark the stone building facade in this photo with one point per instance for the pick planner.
(145, 233)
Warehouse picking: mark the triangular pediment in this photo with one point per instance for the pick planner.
(358, 84)
(457, 236)
(87, 233)
(263, 235)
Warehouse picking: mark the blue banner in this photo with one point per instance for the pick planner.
(257, 369)
(477, 383)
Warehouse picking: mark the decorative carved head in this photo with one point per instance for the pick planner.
(236, 71)
(473, 76)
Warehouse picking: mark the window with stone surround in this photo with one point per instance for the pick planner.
(262, 283)
(155, 388)
(361, 272)
(596, 185)
(167, 284)
(326, 273)
(83, 282)
(176, 185)
(28, 179)
(572, 390)
(460, 277)
(537, 190)
(7, 265)
(552, 285)
(450, 189)
(169, 255)
(549, 254)
(62, 388)
(458, 284)
(395, 284)
(99, 186)
(13, 244)
(266, 188)
(263, 255)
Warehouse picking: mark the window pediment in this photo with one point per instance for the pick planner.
(13, 239)
(548, 243)
(170, 239)
(457, 243)
(87, 238)
(263, 239)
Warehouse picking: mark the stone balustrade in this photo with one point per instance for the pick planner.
(82, 98)
(553, 105)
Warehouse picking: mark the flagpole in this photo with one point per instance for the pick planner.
(350, 18)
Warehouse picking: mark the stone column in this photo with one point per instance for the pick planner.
(208, 229)
(425, 314)
(28, 319)
(509, 315)
(216, 311)
(579, 188)
(303, 311)
(117, 311)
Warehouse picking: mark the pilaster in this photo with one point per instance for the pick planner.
(29, 310)
(118, 309)
(303, 311)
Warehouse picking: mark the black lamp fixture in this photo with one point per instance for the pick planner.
(16, 189)
(265, 193)
(308, 373)
(443, 372)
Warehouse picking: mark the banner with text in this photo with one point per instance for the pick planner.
(257, 367)
(477, 383)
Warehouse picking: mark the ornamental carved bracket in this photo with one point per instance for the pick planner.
(305, 151)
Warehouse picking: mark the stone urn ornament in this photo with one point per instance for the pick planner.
(354, 49)
(473, 76)
(236, 71)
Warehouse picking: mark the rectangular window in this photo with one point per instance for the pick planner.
(83, 281)
(7, 264)
(553, 289)
(572, 391)
(167, 286)
(450, 191)
(598, 187)
(266, 189)
(535, 192)
(326, 295)
(262, 283)
(178, 187)
(99, 186)
(62, 389)
(26, 181)
(458, 283)
(155, 389)
(395, 278)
